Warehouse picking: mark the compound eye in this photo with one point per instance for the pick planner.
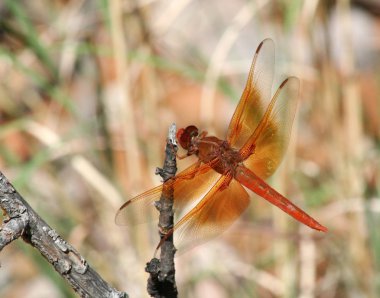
(184, 136)
(192, 130)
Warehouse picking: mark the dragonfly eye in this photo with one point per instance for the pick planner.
(185, 136)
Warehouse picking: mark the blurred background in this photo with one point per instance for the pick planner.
(89, 88)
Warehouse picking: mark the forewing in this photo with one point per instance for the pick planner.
(271, 137)
(192, 185)
(255, 97)
(189, 186)
(212, 215)
(140, 209)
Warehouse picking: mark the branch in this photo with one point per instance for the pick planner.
(23, 221)
(161, 282)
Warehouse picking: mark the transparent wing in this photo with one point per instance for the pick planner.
(212, 215)
(140, 209)
(189, 186)
(271, 137)
(255, 97)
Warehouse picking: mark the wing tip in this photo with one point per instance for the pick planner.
(283, 83)
(259, 47)
(118, 219)
(266, 40)
(124, 205)
(294, 79)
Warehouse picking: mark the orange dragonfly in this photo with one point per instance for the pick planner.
(210, 194)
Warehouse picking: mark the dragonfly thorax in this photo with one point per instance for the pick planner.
(222, 157)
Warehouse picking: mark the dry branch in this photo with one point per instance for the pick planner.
(161, 282)
(22, 220)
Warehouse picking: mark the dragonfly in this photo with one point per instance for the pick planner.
(210, 195)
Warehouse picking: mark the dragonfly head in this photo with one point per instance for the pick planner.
(186, 135)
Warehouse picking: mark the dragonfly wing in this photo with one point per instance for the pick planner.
(193, 184)
(218, 209)
(140, 209)
(271, 137)
(255, 97)
(189, 185)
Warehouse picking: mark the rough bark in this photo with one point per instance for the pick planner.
(161, 282)
(22, 221)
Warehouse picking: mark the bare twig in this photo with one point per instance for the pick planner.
(161, 282)
(23, 221)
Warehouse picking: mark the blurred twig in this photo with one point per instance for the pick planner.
(225, 43)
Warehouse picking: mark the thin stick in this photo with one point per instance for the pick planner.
(161, 282)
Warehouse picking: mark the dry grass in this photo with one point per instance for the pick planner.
(89, 88)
